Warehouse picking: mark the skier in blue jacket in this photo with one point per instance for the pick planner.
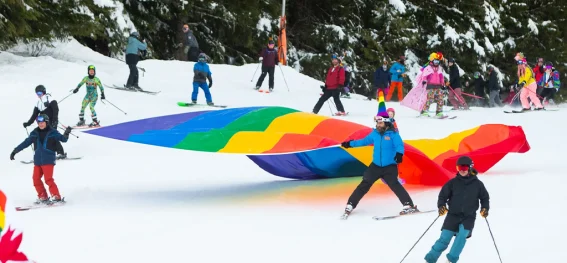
(202, 73)
(388, 153)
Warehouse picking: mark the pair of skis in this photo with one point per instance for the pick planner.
(132, 90)
(41, 205)
(525, 111)
(63, 159)
(440, 118)
(189, 104)
(379, 218)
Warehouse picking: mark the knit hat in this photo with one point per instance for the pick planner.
(382, 105)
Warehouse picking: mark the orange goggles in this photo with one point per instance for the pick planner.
(463, 167)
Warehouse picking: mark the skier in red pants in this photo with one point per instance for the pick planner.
(44, 138)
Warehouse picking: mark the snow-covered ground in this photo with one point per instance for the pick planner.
(130, 202)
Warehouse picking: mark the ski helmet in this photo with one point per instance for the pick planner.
(465, 160)
(91, 67)
(202, 57)
(476, 75)
(40, 89)
(42, 118)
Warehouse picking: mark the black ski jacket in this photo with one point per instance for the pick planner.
(463, 195)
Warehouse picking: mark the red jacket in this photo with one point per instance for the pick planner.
(335, 77)
(538, 72)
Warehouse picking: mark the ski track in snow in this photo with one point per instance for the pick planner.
(130, 202)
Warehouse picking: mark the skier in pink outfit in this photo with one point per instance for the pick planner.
(434, 82)
(527, 83)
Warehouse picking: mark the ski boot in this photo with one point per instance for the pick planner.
(424, 114)
(95, 123)
(61, 156)
(194, 102)
(348, 210)
(81, 122)
(340, 113)
(409, 209)
(257, 88)
(57, 199)
(42, 201)
(210, 104)
(439, 115)
(271, 89)
(136, 87)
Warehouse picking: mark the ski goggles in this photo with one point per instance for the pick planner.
(436, 62)
(40, 119)
(39, 93)
(378, 119)
(520, 62)
(463, 167)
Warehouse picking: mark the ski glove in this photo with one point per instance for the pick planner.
(424, 82)
(26, 124)
(12, 155)
(76, 90)
(484, 212)
(67, 132)
(102, 96)
(399, 157)
(443, 210)
(346, 144)
(210, 84)
(260, 59)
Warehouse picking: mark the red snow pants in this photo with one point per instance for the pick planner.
(393, 86)
(40, 171)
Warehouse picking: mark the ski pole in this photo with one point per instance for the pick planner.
(65, 98)
(284, 77)
(493, 240)
(255, 72)
(62, 126)
(116, 107)
(420, 238)
(29, 136)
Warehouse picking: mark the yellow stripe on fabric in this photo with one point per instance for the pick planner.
(298, 122)
(251, 142)
(433, 148)
(2, 219)
(362, 154)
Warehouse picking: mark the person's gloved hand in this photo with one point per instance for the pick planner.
(346, 144)
(12, 155)
(443, 210)
(67, 131)
(260, 59)
(424, 82)
(26, 124)
(210, 84)
(484, 212)
(399, 158)
(102, 96)
(76, 90)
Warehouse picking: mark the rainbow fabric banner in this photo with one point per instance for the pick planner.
(299, 145)
(2, 211)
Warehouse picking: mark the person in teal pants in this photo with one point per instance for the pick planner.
(462, 193)
(202, 73)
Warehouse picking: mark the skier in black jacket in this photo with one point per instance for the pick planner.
(50, 108)
(463, 194)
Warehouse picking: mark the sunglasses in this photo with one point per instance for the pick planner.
(463, 167)
(381, 119)
(436, 62)
(40, 119)
(520, 62)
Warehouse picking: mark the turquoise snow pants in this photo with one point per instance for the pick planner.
(443, 242)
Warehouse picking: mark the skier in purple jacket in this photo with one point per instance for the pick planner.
(269, 58)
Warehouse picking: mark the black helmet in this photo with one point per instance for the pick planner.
(42, 118)
(40, 88)
(465, 160)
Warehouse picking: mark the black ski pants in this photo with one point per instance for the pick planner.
(193, 54)
(132, 61)
(270, 72)
(548, 93)
(374, 173)
(327, 94)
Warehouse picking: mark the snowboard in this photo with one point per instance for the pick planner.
(39, 206)
(132, 90)
(396, 216)
(68, 159)
(188, 104)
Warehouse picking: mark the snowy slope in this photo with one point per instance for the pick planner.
(136, 203)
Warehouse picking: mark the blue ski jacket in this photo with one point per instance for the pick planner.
(44, 151)
(386, 146)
